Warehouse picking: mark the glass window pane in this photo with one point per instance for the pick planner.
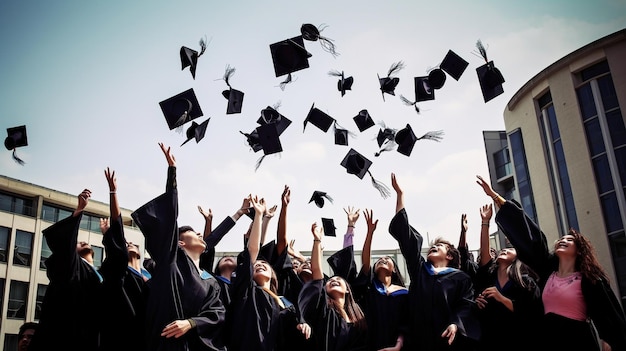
(620, 157)
(610, 210)
(18, 295)
(63, 214)
(616, 128)
(98, 253)
(5, 202)
(48, 213)
(23, 248)
(554, 128)
(4, 243)
(603, 174)
(45, 253)
(10, 342)
(594, 137)
(607, 92)
(585, 101)
(41, 292)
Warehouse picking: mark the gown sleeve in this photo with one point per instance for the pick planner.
(410, 241)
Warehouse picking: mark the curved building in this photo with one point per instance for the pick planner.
(563, 154)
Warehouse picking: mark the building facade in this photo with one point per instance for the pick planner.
(563, 153)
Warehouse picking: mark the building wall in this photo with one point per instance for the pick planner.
(522, 113)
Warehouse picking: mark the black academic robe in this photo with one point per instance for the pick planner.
(71, 306)
(603, 307)
(501, 326)
(254, 313)
(177, 289)
(124, 298)
(387, 315)
(330, 331)
(435, 300)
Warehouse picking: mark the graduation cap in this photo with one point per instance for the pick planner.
(234, 97)
(289, 56)
(196, 131)
(253, 140)
(436, 78)
(313, 33)
(269, 141)
(453, 64)
(329, 227)
(406, 139)
(363, 120)
(489, 76)
(388, 84)
(181, 108)
(270, 115)
(318, 118)
(386, 139)
(343, 83)
(357, 164)
(341, 134)
(189, 57)
(16, 137)
(318, 197)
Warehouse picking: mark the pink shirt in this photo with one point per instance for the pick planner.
(564, 296)
(347, 238)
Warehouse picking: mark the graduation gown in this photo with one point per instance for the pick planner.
(435, 300)
(177, 289)
(71, 306)
(501, 326)
(124, 298)
(603, 307)
(330, 331)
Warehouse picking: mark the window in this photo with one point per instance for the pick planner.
(17, 205)
(521, 174)
(18, 296)
(10, 342)
(23, 248)
(45, 253)
(502, 162)
(41, 292)
(54, 214)
(98, 253)
(89, 222)
(4, 243)
(557, 165)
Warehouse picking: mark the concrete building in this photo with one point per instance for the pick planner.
(563, 153)
(25, 210)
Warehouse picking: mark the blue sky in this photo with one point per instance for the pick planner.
(86, 78)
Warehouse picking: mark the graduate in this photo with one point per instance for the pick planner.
(124, 283)
(328, 306)
(184, 310)
(71, 306)
(441, 296)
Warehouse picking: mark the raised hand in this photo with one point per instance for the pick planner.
(395, 185)
(270, 212)
(486, 187)
(353, 215)
(208, 215)
(486, 212)
(110, 176)
(104, 225)
(286, 196)
(317, 231)
(167, 151)
(369, 219)
(464, 225)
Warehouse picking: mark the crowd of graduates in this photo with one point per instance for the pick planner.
(532, 295)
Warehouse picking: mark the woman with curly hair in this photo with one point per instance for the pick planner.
(575, 289)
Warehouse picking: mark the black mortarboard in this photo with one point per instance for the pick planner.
(453, 64)
(196, 131)
(312, 33)
(289, 56)
(234, 97)
(357, 164)
(181, 108)
(16, 137)
(436, 78)
(329, 227)
(189, 57)
(489, 76)
(343, 83)
(385, 134)
(406, 139)
(363, 120)
(269, 138)
(341, 136)
(270, 115)
(388, 84)
(319, 119)
(490, 80)
(318, 198)
(253, 140)
(423, 90)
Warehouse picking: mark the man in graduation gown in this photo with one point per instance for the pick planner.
(442, 315)
(70, 308)
(184, 310)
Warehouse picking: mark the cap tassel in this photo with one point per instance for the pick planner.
(397, 66)
(381, 187)
(481, 50)
(258, 162)
(203, 44)
(432, 135)
(410, 103)
(228, 74)
(285, 82)
(17, 159)
(312, 33)
(338, 126)
(387, 146)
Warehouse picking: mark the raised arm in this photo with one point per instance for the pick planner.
(281, 231)
(267, 217)
(499, 200)
(462, 236)
(254, 240)
(485, 215)
(399, 193)
(353, 216)
(171, 170)
(208, 222)
(316, 252)
(367, 245)
(83, 200)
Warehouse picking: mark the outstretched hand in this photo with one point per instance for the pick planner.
(464, 225)
(369, 219)
(486, 212)
(486, 187)
(353, 215)
(317, 231)
(286, 196)
(395, 185)
(208, 215)
(167, 151)
(110, 175)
